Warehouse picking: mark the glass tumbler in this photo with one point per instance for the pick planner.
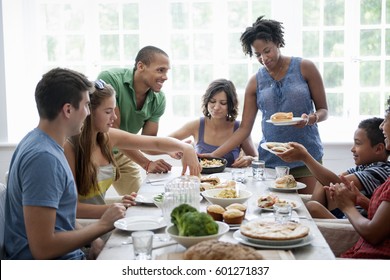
(282, 213)
(282, 171)
(258, 169)
(142, 244)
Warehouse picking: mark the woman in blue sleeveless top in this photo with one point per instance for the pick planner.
(220, 110)
(282, 84)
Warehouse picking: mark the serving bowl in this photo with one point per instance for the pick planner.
(210, 196)
(188, 241)
(213, 169)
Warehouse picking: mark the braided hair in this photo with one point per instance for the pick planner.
(262, 29)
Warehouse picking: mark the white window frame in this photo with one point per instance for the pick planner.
(22, 61)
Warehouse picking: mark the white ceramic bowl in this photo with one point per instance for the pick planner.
(188, 241)
(210, 195)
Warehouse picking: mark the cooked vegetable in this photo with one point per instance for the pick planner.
(190, 222)
(159, 197)
(179, 211)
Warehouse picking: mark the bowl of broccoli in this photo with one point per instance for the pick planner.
(191, 226)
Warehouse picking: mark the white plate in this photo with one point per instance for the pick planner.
(294, 120)
(242, 239)
(287, 200)
(264, 146)
(140, 223)
(146, 198)
(237, 226)
(298, 187)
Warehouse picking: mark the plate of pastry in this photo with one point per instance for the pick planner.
(287, 183)
(275, 147)
(291, 121)
(299, 186)
(284, 118)
(267, 202)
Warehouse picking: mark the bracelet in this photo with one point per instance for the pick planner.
(147, 166)
(316, 120)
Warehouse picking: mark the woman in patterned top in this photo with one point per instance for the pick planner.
(374, 231)
(282, 84)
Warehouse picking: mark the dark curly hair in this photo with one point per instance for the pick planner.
(262, 29)
(371, 126)
(231, 94)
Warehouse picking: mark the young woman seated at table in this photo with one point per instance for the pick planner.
(220, 110)
(371, 170)
(90, 153)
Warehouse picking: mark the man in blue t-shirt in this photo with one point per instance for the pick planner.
(40, 207)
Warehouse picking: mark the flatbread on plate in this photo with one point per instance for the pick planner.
(270, 230)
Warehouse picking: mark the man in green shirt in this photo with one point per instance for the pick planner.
(140, 104)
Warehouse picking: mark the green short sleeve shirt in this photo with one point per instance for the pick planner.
(133, 120)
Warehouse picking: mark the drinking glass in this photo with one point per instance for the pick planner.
(238, 175)
(282, 171)
(142, 244)
(282, 213)
(258, 169)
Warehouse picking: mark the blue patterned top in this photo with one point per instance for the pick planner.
(290, 94)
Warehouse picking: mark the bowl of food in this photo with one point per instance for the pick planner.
(188, 241)
(226, 197)
(212, 165)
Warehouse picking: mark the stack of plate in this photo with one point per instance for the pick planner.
(271, 235)
(273, 244)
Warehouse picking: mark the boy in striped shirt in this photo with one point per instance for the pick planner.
(372, 168)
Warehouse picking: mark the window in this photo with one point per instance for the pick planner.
(349, 41)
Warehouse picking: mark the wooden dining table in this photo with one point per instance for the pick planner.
(119, 245)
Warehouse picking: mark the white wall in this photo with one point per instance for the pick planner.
(6, 151)
(337, 157)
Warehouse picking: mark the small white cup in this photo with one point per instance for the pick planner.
(142, 244)
(282, 213)
(282, 171)
(238, 175)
